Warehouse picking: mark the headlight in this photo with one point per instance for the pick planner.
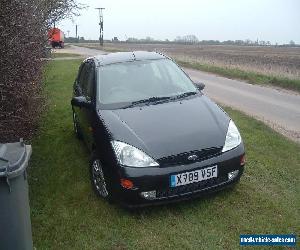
(233, 137)
(130, 156)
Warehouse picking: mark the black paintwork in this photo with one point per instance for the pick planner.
(169, 128)
(163, 130)
(120, 57)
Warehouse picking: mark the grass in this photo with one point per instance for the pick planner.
(251, 77)
(67, 215)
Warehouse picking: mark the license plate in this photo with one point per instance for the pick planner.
(194, 176)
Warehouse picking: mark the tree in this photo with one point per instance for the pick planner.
(149, 39)
(54, 11)
(186, 39)
(23, 30)
(292, 43)
(132, 39)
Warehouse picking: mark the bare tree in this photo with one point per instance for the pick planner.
(190, 39)
(57, 10)
(292, 43)
(23, 31)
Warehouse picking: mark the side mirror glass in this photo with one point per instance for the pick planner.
(81, 101)
(199, 85)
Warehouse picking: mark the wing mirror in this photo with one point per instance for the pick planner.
(199, 85)
(81, 101)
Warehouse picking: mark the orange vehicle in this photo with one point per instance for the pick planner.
(56, 38)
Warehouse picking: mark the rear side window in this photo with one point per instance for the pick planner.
(81, 78)
(86, 80)
(89, 91)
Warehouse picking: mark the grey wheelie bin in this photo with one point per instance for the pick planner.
(15, 224)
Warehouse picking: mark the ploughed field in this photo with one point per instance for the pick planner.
(276, 61)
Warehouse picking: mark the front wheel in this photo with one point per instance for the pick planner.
(76, 127)
(99, 180)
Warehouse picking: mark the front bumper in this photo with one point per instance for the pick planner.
(158, 179)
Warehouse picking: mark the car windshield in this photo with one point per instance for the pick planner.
(133, 82)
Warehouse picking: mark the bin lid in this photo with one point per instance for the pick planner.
(13, 157)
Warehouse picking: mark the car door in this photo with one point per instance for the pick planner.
(87, 113)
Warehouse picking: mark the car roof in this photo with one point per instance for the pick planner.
(120, 57)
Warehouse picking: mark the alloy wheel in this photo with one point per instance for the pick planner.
(75, 123)
(98, 179)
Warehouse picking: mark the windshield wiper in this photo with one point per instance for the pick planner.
(154, 99)
(186, 94)
(157, 99)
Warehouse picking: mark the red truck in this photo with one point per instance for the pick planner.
(56, 38)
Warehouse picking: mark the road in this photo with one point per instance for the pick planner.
(280, 109)
(85, 52)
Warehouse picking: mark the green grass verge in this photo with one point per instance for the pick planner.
(60, 55)
(251, 77)
(67, 215)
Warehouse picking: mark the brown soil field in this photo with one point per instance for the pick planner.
(277, 61)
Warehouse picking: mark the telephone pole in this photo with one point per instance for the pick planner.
(101, 25)
(76, 31)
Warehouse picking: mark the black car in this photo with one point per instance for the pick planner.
(154, 136)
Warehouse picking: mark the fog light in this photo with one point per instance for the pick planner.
(233, 174)
(128, 184)
(243, 160)
(150, 195)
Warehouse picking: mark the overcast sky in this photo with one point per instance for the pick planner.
(273, 20)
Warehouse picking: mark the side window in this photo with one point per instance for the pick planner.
(86, 80)
(90, 80)
(81, 78)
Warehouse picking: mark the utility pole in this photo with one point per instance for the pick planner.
(68, 33)
(76, 32)
(101, 25)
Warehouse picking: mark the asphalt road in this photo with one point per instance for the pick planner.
(85, 52)
(278, 108)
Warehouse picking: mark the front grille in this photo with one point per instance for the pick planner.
(193, 187)
(182, 159)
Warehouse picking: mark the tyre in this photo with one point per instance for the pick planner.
(76, 126)
(99, 180)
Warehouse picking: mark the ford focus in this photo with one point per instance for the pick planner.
(153, 135)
